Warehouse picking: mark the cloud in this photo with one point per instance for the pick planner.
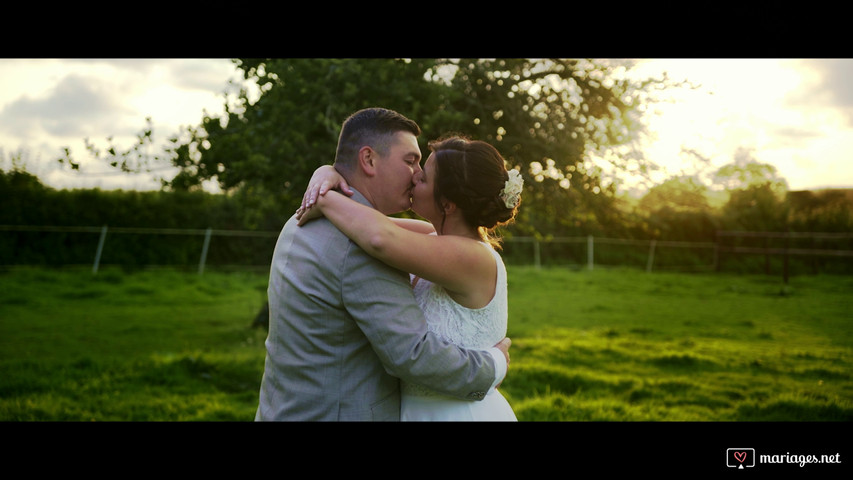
(790, 136)
(204, 75)
(141, 65)
(836, 80)
(829, 87)
(76, 107)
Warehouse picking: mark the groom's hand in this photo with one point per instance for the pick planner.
(503, 346)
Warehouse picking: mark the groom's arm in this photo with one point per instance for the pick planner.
(381, 301)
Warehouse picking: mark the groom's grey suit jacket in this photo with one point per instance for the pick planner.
(344, 328)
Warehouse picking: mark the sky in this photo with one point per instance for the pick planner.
(794, 114)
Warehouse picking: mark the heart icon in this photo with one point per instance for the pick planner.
(740, 456)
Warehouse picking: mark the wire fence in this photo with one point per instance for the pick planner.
(590, 243)
(103, 231)
(766, 252)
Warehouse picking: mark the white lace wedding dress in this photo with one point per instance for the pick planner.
(479, 328)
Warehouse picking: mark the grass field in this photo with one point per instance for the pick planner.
(606, 345)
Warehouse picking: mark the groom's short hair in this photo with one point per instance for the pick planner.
(373, 127)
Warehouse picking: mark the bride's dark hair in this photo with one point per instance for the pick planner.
(472, 174)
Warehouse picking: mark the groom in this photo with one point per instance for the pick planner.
(344, 327)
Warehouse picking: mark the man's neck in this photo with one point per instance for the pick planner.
(356, 183)
(365, 192)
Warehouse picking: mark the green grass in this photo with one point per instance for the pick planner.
(606, 345)
(623, 345)
(151, 345)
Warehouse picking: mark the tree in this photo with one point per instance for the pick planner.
(679, 193)
(678, 209)
(756, 194)
(746, 171)
(548, 117)
(821, 211)
(266, 151)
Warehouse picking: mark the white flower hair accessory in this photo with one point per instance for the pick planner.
(512, 189)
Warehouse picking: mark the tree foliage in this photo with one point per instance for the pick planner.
(266, 151)
(672, 211)
(551, 112)
(757, 194)
(26, 201)
(821, 211)
(678, 209)
(746, 171)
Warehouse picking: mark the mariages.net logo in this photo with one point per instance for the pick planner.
(742, 458)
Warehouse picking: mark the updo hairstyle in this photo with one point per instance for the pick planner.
(472, 174)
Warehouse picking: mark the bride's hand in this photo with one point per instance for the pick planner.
(304, 215)
(324, 179)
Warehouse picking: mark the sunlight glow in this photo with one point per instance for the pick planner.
(740, 103)
(781, 109)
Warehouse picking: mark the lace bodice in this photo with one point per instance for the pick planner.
(474, 328)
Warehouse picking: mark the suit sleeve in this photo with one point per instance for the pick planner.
(381, 301)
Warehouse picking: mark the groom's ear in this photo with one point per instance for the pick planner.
(367, 158)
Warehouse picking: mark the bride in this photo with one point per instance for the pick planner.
(458, 277)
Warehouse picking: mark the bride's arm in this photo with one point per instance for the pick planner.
(326, 178)
(454, 262)
(414, 225)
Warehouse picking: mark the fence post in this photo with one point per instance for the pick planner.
(589, 253)
(204, 250)
(785, 264)
(651, 256)
(537, 259)
(99, 250)
(717, 252)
